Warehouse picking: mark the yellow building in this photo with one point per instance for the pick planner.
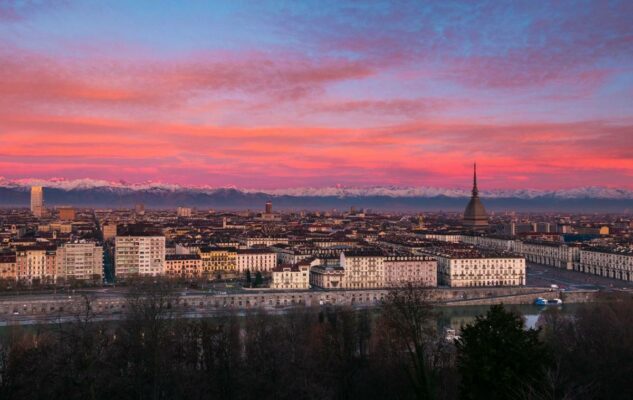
(218, 259)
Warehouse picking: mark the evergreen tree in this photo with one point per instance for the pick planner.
(258, 279)
(498, 358)
(248, 276)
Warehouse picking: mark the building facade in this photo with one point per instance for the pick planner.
(363, 269)
(8, 267)
(476, 271)
(139, 256)
(36, 264)
(183, 266)
(37, 201)
(80, 261)
(327, 277)
(218, 259)
(295, 276)
(255, 260)
(414, 270)
(610, 263)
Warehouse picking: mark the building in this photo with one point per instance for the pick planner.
(139, 209)
(554, 254)
(465, 266)
(614, 263)
(80, 261)
(66, 213)
(183, 212)
(415, 270)
(269, 207)
(35, 263)
(183, 265)
(8, 267)
(139, 256)
(296, 276)
(37, 201)
(109, 231)
(263, 260)
(475, 216)
(265, 241)
(327, 277)
(551, 253)
(364, 269)
(218, 259)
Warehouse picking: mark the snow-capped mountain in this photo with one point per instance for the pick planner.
(342, 192)
(101, 193)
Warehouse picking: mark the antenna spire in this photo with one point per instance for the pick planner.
(475, 190)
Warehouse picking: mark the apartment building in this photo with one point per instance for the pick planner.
(262, 260)
(364, 269)
(614, 263)
(466, 266)
(36, 263)
(183, 265)
(139, 256)
(218, 259)
(80, 261)
(415, 270)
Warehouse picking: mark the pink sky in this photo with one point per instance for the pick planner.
(302, 99)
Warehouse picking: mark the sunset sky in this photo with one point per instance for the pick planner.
(293, 94)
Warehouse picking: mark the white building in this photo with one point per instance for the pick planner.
(611, 263)
(139, 255)
(553, 254)
(183, 212)
(80, 261)
(295, 276)
(363, 269)
(263, 260)
(472, 268)
(462, 265)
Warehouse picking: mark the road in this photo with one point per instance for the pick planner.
(541, 275)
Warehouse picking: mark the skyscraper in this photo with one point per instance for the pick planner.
(269, 207)
(37, 201)
(475, 216)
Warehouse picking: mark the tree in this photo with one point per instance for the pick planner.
(498, 358)
(258, 279)
(410, 330)
(248, 276)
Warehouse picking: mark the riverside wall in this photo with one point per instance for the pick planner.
(17, 308)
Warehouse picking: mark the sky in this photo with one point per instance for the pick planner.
(319, 93)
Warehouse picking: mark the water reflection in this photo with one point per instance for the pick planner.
(456, 317)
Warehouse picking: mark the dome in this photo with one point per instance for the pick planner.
(475, 214)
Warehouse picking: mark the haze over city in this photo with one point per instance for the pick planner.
(277, 95)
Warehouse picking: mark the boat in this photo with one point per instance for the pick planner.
(541, 301)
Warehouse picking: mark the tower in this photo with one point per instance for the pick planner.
(37, 201)
(269, 207)
(475, 216)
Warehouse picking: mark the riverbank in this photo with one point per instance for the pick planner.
(111, 306)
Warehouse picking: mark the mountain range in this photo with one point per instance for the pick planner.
(101, 193)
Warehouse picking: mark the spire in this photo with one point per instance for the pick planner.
(475, 190)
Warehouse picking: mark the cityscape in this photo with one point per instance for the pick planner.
(316, 200)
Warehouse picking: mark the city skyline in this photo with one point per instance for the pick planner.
(285, 95)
